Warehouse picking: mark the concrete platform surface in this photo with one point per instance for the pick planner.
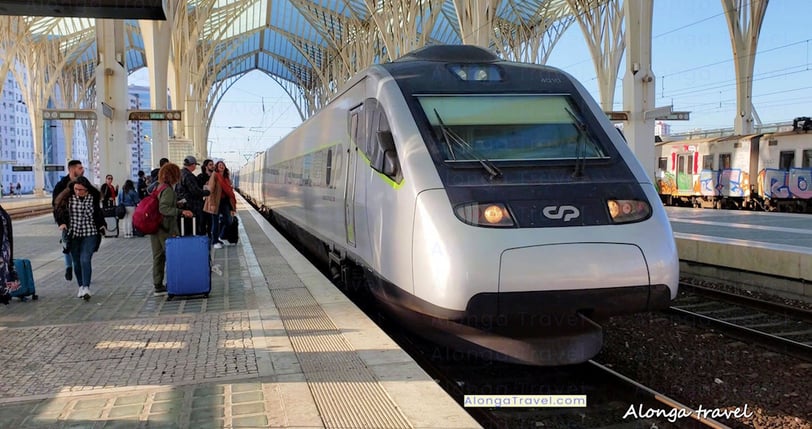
(275, 345)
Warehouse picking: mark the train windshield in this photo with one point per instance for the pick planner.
(510, 127)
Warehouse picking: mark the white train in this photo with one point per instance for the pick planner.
(490, 205)
(758, 172)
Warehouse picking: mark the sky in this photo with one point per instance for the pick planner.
(692, 60)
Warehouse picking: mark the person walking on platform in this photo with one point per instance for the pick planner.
(78, 211)
(128, 198)
(190, 193)
(19, 190)
(168, 178)
(221, 204)
(75, 169)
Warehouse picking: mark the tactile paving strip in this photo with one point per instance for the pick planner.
(345, 390)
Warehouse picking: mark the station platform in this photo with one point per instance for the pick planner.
(275, 345)
(775, 246)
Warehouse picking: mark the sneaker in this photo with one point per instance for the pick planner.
(159, 290)
(69, 273)
(218, 245)
(81, 293)
(87, 292)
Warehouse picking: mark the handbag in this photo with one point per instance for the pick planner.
(121, 211)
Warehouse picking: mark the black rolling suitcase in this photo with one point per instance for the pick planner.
(110, 221)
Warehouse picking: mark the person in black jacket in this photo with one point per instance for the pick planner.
(75, 169)
(203, 180)
(190, 193)
(78, 211)
(141, 187)
(153, 175)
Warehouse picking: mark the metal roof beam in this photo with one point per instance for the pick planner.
(110, 9)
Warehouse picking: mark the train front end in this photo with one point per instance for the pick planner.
(545, 224)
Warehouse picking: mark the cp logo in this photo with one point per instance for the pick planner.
(561, 212)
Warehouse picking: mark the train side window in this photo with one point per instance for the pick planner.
(707, 162)
(662, 163)
(357, 126)
(329, 173)
(786, 160)
(724, 161)
(385, 158)
(807, 159)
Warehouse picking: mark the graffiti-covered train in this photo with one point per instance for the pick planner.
(757, 172)
(488, 205)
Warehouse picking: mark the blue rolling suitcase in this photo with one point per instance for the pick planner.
(188, 265)
(26, 277)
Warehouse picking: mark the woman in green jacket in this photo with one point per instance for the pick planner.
(168, 177)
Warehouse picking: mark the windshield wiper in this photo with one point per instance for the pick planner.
(451, 137)
(580, 150)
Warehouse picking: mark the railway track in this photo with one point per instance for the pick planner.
(782, 328)
(29, 211)
(613, 400)
(610, 395)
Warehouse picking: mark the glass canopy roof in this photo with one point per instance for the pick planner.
(287, 39)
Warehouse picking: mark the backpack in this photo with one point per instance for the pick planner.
(147, 218)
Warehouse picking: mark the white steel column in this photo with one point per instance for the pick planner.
(111, 88)
(744, 21)
(638, 83)
(602, 26)
(157, 36)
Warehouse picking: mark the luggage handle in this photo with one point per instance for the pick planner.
(183, 225)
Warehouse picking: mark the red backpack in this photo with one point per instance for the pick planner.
(147, 218)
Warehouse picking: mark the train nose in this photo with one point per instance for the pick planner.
(596, 279)
(572, 266)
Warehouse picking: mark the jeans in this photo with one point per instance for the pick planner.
(219, 222)
(127, 222)
(81, 250)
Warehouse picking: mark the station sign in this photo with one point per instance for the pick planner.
(68, 114)
(154, 115)
(54, 167)
(617, 116)
(22, 168)
(675, 116)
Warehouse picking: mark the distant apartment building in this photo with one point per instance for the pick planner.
(17, 140)
(140, 132)
(662, 129)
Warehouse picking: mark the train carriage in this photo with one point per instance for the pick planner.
(757, 172)
(488, 204)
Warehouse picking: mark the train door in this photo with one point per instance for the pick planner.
(685, 178)
(357, 134)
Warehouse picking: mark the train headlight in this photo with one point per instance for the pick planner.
(477, 72)
(623, 211)
(493, 214)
